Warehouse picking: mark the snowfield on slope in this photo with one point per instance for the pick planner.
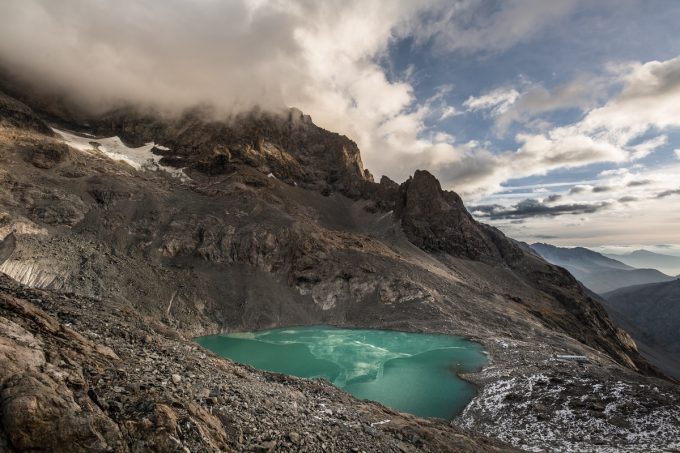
(141, 159)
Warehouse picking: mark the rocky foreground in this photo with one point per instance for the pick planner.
(261, 221)
(79, 376)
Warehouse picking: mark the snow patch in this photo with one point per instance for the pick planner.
(141, 159)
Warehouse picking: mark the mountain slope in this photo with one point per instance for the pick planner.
(275, 224)
(646, 259)
(596, 271)
(653, 312)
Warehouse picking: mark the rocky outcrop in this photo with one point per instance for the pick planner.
(437, 221)
(7, 246)
(14, 113)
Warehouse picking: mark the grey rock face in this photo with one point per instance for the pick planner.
(7, 246)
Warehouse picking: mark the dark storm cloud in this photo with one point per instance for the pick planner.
(535, 208)
(668, 193)
(579, 189)
(639, 183)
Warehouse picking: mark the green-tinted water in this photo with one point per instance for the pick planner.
(410, 372)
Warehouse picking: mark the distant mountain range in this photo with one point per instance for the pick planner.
(598, 272)
(646, 259)
(644, 302)
(651, 314)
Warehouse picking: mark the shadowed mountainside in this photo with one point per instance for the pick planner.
(596, 271)
(652, 314)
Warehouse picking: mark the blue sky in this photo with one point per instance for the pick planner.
(580, 44)
(554, 119)
(577, 47)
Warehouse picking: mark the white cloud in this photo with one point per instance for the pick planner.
(584, 93)
(677, 153)
(497, 101)
(443, 137)
(647, 147)
(449, 112)
(649, 100)
(456, 27)
(320, 57)
(618, 171)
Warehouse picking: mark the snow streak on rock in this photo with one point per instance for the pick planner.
(141, 159)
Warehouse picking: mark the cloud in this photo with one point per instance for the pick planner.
(615, 172)
(602, 189)
(449, 112)
(584, 93)
(580, 189)
(457, 27)
(650, 100)
(645, 148)
(535, 208)
(546, 236)
(648, 103)
(677, 153)
(668, 193)
(637, 214)
(496, 101)
(640, 182)
(322, 57)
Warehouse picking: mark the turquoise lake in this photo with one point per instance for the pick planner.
(410, 372)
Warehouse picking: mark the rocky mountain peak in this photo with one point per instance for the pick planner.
(437, 220)
(286, 144)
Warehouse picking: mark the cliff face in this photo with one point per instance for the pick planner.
(275, 222)
(286, 144)
(437, 221)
